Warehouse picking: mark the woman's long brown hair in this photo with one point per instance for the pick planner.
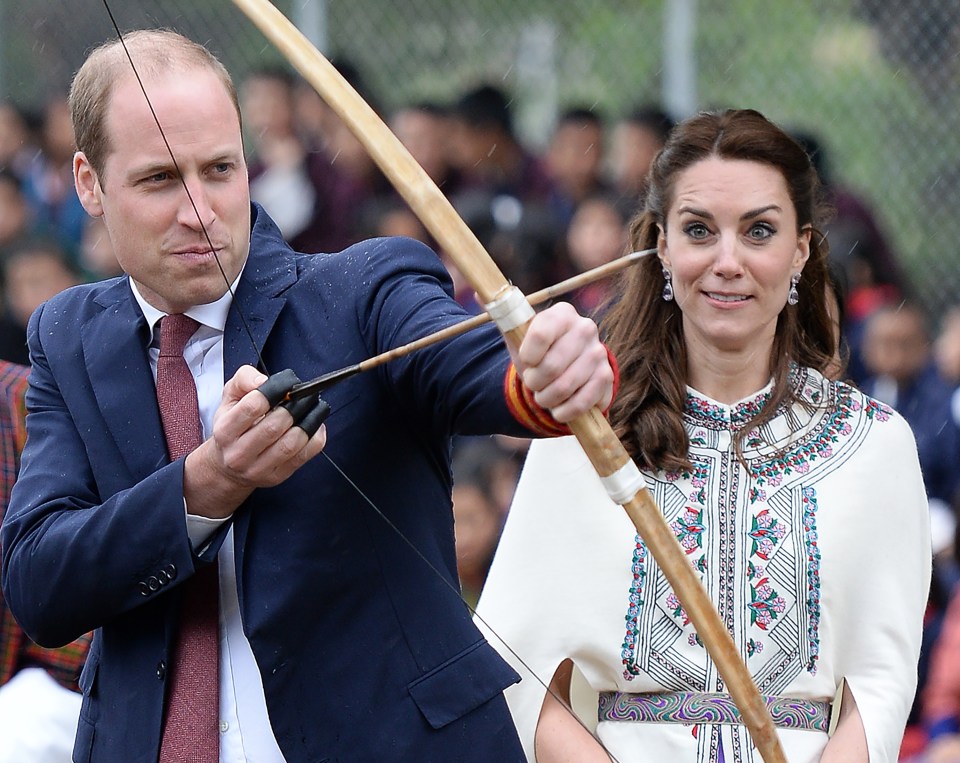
(645, 332)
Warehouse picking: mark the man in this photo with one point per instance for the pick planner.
(341, 632)
(39, 697)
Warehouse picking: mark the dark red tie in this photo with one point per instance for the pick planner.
(191, 722)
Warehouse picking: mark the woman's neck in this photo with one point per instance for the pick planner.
(727, 377)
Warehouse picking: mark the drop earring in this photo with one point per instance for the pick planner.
(668, 286)
(793, 296)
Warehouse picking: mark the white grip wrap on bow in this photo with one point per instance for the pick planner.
(624, 483)
(511, 310)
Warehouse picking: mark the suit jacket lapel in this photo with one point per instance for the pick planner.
(270, 270)
(115, 351)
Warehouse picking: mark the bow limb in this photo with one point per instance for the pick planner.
(605, 451)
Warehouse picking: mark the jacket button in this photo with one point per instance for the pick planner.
(161, 669)
(144, 589)
(153, 584)
(171, 570)
(163, 577)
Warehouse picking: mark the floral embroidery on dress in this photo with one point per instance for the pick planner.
(766, 605)
(766, 532)
(689, 529)
(813, 576)
(677, 608)
(639, 572)
(767, 498)
(876, 409)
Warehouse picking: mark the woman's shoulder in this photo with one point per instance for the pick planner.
(851, 407)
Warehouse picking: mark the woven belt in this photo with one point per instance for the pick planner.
(694, 707)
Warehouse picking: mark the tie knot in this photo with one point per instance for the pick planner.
(175, 332)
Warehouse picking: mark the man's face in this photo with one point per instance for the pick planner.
(156, 231)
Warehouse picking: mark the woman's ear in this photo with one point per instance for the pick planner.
(662, 246)
(803, 248)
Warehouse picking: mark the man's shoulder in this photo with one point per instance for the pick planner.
(78, 303)
(373, 259)
(102, 292)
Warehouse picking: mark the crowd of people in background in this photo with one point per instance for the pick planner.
(543, 215)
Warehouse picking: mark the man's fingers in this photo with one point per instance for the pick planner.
(278, 385)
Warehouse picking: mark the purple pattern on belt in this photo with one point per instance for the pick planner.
(697, 707)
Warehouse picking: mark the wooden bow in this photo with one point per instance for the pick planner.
(594, 433)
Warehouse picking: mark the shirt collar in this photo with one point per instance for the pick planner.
(211, 314)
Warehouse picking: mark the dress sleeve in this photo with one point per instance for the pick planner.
(560, 528)
(882, 534)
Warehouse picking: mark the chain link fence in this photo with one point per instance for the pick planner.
(875, 81)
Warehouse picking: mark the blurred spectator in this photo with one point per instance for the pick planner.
(836, 294)
(477, 526)
(521, 238)
(33, 271)
(311, 115)
(277, 155)
(941, 695)
(495, 462)
(898, 358)
(636, 140)
(17, 146)
(344, 176)
(39, 696)
(16, 218)
(97, 258)
(505, 189)
(485, 474)
(597, 235)
(486, 150)
(48, 184)
(946, 348)
(390, 216)
(574, 162)
(424, 129)
(862, 251)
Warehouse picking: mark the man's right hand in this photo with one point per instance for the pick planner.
(251, 446)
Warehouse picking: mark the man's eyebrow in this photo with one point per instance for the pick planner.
(153, 168)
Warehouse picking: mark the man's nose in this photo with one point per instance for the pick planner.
(196, 210)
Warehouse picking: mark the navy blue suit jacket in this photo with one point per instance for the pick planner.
(366, 653)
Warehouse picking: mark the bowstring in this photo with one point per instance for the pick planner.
(262, 366)
(260, 363)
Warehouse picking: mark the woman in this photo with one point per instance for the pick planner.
(798, 499)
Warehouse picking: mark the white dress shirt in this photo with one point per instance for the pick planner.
(245, 732)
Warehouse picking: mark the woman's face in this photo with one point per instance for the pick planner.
(731, 245)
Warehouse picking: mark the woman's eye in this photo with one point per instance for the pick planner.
(760, 231)
(696, 230)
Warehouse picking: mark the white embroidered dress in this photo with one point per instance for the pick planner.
(817, 557)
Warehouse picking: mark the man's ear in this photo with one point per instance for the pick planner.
(88, 185)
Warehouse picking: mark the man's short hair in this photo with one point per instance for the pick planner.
(154, 51)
